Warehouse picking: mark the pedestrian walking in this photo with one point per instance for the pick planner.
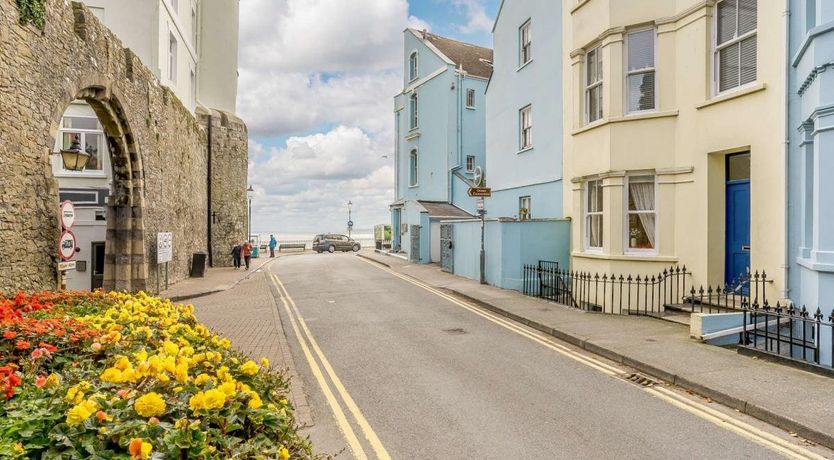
(236, 253)
(246, 249)
(272, 243)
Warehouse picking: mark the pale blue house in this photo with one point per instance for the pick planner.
(524, 133)
(811, 159)
(439, 122)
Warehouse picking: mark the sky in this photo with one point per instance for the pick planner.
(316, 90)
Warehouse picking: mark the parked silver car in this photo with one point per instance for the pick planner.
(333, 242)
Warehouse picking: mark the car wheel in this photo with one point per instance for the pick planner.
(355, 248)
(331, 249)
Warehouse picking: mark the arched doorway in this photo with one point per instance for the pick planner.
(123, 265)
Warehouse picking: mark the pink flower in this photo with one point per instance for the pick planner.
(37, 353)
(40, 381)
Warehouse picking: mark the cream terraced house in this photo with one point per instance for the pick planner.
(675, 137)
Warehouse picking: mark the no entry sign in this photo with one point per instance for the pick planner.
(66, 246)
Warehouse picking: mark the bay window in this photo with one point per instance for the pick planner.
(593, 215)
(640, 73)
(641, 214)
(593, 85)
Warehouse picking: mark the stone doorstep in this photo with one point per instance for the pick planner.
(762, 413)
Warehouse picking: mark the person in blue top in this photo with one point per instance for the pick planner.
(272, 243)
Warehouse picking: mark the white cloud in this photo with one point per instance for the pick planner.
(477, 20)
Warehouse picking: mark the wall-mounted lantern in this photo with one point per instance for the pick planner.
(74, 158)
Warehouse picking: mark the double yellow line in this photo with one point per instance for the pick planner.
(308, 343)
(745, 430)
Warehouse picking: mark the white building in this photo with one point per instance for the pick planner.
(191, 46)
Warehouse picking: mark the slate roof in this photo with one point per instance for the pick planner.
(476, 60)
(443, 209)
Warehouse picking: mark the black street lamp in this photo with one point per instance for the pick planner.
(249, 192)
(74, 158)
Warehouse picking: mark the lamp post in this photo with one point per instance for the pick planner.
(350, 221)
(249, 192)
(74, 158)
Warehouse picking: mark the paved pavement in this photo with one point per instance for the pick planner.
(248, 316)
(216, 280)
(416, 374)
(778, 394)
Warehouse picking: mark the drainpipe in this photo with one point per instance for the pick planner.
(208, 193)
(459, 134)
(788, 199)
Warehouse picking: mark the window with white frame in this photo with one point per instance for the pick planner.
(89, 134)
(524, 210)
(735, 44)
(525, 52)
(641, 214)
(593, 215)
(470, 163)
(640, 73)
(172, 58)
(470, 98)
(413, 168)
(413, 66)
(593, 85)
(414, 115)
(525, 123)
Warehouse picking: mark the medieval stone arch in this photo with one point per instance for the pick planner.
(125, 259)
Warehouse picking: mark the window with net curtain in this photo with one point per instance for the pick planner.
(641, 213)
(593, 215)
(735, 47)
(640, 78)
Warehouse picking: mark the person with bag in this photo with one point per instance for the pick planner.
(246, 249)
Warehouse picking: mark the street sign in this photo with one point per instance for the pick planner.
(350, 223)
(480, 192)
(479, 205)
(68, 265)
(66, 246)
(478, 176)
(67, 215)
(164, 247)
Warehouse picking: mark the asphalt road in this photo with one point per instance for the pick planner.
(430, 379)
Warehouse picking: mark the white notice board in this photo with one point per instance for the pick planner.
(164, 247)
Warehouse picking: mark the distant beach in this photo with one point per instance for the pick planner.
(365, 237)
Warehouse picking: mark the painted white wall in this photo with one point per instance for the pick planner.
(217, 44)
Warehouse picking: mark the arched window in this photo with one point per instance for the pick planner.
(413, 66)
(413, 168)
(414, 115)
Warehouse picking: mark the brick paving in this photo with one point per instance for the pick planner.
(216, 280)
(247, 314)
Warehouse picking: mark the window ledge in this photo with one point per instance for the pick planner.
(412, 134)
(470, 107)
(625, 118)
(733, 94)
(524, 150)
(523, 65)
(627, 257)
(590, 126)
(811, 264)
(81, 175)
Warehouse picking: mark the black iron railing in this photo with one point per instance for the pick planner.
(789, 332)
(617, 294)
(747, 289)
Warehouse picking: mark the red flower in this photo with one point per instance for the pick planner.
(9, 335)
(37, 353)
(40, 381)
(48, 347)
(22, 345)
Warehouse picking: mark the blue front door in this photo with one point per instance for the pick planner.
(737, 258)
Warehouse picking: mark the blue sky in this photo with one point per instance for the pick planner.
(317, 81)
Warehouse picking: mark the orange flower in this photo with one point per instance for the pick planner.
(9, 335)
(101, 416)
(139, 449)
(48, 347)
(122, 393)
(40, 381)
(37, 353)
(22, 345)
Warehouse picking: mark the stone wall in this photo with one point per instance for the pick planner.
(158, 151)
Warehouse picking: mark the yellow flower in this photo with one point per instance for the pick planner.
(53, 380)
(80, 412)
(203, 378)
(163, 377)
(141, 355)
(18, 448)
(249, 368)
(149, 405)
(223, 373)
(283, 453)
(181, 423)
(177, 390)
(228, 388)
(255, 401)
(215, 399)
(171, 348)
(265, 363)
(181, 372)
(139, 449)
(122, 363)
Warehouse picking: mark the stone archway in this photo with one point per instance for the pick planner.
(125, 262)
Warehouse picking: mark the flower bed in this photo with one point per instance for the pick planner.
(132, 376)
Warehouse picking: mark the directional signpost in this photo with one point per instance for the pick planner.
(480, 192)
(164, 254)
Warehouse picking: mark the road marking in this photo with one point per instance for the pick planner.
(341, 419)
(742, 429)
(369, 432)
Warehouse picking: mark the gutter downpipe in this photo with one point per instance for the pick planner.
(785, 262)
(458, 136)
(208, 193)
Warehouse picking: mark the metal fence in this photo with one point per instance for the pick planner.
(647, 295)
(788, 332)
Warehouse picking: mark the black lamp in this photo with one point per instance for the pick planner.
(74, 158)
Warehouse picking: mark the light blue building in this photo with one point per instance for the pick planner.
(439, 119)
(811, 159)
(524, 132)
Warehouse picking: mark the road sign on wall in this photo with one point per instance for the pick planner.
(67, 215)
(66, 245)
(164, 247)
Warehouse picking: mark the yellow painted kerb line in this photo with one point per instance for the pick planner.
(707, 413)
(369, 432)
